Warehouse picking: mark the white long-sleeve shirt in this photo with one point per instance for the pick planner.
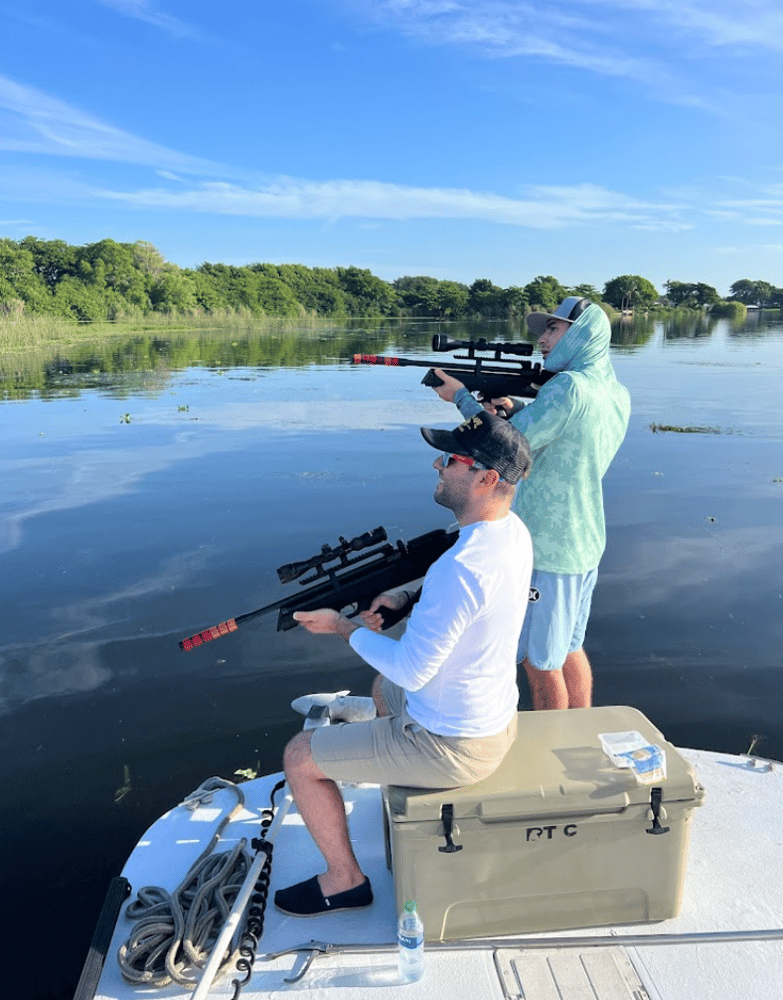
(457, 660)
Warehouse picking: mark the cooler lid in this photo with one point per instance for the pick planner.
(557, 767)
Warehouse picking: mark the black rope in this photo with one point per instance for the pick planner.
(254, 925)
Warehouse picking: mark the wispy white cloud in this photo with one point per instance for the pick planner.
(750, 250)
(764, 207)
(539, 208)
(760, 220)
(661, 44)
(150, 13)
(33, 122)
(545, 207)
(581, 30)
(562, 33)
(755, 203)
(717, 23)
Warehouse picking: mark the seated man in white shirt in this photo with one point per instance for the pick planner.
(447, 690)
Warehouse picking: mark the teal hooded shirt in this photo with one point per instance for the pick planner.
(574, 427)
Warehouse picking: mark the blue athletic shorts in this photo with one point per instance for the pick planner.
(556, 618)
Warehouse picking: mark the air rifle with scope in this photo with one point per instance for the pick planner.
(353, 581)
(492, 377)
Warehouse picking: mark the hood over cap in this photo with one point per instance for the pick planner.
(584, 345)
(568, 310)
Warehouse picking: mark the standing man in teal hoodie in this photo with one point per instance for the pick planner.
(574, 426)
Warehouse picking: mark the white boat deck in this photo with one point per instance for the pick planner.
(734, 882)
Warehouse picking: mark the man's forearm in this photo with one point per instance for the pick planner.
(345, 627)
(466, 403)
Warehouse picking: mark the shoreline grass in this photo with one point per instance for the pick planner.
(18, 335)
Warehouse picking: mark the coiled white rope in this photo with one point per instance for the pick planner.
(175, 932)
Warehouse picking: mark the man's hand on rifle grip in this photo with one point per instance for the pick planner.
(503, 406)
(500, 406)
(373, 618)
(449, 387)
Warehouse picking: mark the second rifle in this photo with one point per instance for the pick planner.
(491, 376)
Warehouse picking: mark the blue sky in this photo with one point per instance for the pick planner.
(462, 140)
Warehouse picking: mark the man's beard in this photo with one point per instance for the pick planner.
(448, 499)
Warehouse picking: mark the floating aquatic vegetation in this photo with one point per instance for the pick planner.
(673, 428)
(248, 773)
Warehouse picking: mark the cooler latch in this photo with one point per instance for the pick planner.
(655, 806)
(447, 816)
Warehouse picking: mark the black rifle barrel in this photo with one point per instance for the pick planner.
(383, 569)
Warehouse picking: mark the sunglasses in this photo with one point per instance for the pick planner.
(447, 456)
(475, 466)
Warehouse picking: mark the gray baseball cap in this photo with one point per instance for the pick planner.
(568, 310)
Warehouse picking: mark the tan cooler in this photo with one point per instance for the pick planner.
(558, 837)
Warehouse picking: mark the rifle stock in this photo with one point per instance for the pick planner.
(354, 582)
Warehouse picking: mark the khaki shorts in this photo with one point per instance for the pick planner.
(396, 750)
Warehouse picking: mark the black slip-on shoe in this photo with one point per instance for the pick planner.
(305, 899)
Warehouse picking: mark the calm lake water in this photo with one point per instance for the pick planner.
(151, 486)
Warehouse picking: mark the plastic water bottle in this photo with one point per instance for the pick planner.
(410, 942)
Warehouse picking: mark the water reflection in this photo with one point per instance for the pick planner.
(145, 362)
(638, 329)
(142, 362)
(681, 326)
(52, 670)
(247, 450)
(633, 331)
(688, 572)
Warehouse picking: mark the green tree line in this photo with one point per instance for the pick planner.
(117, 281)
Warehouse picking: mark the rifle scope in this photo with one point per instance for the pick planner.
(442, 343)
(292, 571)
